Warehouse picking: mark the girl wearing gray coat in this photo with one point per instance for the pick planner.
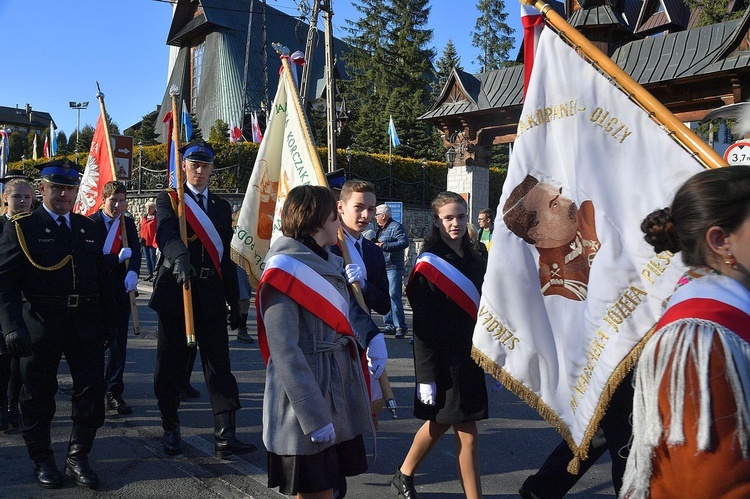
(316, 405)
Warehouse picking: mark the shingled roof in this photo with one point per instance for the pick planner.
(17, 116)
(223, 24)
(654, 60)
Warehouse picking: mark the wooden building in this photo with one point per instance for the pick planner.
(213, 60)
(690, 70)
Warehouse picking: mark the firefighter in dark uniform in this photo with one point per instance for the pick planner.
(54, 258)
(213, 284)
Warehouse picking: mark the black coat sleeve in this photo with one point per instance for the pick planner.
(376, 294)
(168, 229)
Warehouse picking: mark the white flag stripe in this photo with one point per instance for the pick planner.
(560, 315)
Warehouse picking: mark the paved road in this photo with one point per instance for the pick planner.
(128, 456)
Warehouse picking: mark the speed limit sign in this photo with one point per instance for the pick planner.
(738, 153)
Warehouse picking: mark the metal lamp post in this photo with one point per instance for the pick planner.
(140, 166)
(424, 180)
(349, 162)
(78, 106)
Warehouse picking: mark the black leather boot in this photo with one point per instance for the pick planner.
(14, 416)
(404, 485)
(226, 442)
(171, 440)
(46, 473)
(45, 470)
(77, 460)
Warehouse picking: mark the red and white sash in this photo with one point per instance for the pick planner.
(313, 293)
(113, 243)
(203, 228)
(717, 299)
(449, 280)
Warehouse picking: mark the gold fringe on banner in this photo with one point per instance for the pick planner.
(580, 453)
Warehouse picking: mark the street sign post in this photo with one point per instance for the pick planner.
(122, 150)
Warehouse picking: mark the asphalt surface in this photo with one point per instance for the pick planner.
(128, 457)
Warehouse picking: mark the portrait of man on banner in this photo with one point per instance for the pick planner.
(563, 234)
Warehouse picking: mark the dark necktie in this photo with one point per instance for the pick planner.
(109, 224)
(200, 201)
(359, 249)
(63, 224)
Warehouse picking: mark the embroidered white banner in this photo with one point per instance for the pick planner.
(287, 158)
(573, 287)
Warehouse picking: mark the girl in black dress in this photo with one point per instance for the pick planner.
(444, 294)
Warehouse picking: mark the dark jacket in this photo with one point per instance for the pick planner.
(376, 292)
(395, 241)
(119, 270)
(53, 280)
(442, 346)
(211, 293)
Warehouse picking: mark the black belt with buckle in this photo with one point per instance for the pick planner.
(206, 272)
(70, 301)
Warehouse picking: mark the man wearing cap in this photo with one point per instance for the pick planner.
(124, 263)
(204, 267)
(54, 258)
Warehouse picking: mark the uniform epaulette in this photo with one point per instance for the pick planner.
(19, 216)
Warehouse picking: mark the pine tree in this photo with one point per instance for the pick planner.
(219, 133)
(410, 76)
(62, 143)
(449, 61)
(492, 35)
(365, 88)
(146, 134)
(197, 132)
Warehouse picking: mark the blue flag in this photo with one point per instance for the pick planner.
(393, 134)
(186, 122)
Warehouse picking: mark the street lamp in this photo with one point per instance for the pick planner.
(450, 156)
(78, 106)
(424, 179)
(140, 166)
(349, 161)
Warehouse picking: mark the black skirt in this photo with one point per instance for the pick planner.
(317, 472)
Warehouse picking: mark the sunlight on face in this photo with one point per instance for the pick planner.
(452, 221)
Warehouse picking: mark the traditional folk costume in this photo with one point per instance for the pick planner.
(691, 412)
(443, 291)
(315, 374)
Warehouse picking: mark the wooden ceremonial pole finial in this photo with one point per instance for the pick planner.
(187, 295)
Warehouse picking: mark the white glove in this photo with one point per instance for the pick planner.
(131, 281)
(377, 355)
(427, 393)
(325, 434)
(354, 274)
(124, 254)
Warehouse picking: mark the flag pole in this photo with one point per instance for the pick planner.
(187, 294)
(294, 99)
(676, 128)
(385, 384)
(123, 231)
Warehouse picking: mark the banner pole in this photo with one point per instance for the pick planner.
(677, 129)
(187, 294)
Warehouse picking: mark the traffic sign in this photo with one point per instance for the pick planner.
(738, 153)
(122, 150)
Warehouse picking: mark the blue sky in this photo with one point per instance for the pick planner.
(55, 52)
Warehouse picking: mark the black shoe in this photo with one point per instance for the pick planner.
(78, 468)
(401, 333)
(389, 330)
(172, 442)
(404, 485)
(244, 336)
(46, 473)
(4, 425)
(191, 392)
(527, 494)
(115, 402)
(14, 417)
(226, 442)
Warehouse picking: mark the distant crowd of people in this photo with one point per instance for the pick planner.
(680, 428)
